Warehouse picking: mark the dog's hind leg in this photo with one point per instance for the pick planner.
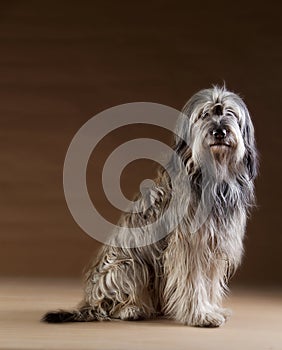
(118, 286)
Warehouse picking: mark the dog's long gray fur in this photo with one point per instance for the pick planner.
(184, 275)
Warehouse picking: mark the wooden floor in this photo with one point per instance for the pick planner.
(255, 324)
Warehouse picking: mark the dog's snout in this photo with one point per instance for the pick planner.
(219, 133)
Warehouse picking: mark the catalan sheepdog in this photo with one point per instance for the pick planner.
(183, 276)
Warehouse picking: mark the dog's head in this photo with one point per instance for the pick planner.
(216, 125)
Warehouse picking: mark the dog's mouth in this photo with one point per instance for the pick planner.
(220, 144)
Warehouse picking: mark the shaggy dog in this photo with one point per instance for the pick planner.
(184, 275)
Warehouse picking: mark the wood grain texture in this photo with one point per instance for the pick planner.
(255, 324)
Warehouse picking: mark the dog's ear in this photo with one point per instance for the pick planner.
(182, 149)
(181, 143)
(251, 156)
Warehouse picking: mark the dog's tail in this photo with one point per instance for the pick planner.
(85, 314)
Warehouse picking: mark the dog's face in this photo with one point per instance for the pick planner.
(219, 127)
(216, 128)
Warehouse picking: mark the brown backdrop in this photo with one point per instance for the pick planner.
(63, 61)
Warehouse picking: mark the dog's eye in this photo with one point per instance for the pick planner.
(232, 114)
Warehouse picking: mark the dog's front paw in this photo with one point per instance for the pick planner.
(226, 313)
(131, 313)
(210, 320)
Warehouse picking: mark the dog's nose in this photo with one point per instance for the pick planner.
(219, 133)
